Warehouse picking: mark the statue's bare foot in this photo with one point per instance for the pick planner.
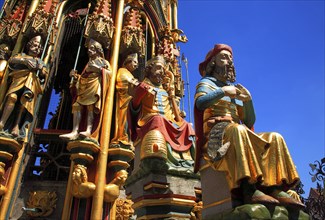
(1, 126)
(85, 133)
(70, 136)
(15, 131)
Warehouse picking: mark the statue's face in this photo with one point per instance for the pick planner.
(223, 58)
(35, 48)
(92, 50)
(156, 73)
(4, 51)
(224, 68)
(76, 175)
(132, 65)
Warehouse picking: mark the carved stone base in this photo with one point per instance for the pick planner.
(159, 196)
(82, 151)
(119, 158)
(215, 192)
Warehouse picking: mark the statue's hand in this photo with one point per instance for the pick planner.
(243, 94)
(33, 64)
(230, 91)
(74, 74)
(92, 67)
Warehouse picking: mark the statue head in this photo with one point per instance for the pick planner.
(131, 62)
(4, 52)
(155, 69)
(120, 177)
(79, 174)
(34, 46)
(95, 49)
(219, 64)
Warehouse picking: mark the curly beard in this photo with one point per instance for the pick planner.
(226, 72)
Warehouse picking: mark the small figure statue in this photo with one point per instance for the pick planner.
(155, 120)
(81, 188)
(112, 190)
(124, 80)
(25, 75)
(258, 165)
(4, 56)
(89, 87)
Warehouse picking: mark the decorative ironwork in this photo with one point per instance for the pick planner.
(316, 201)
(318, 170)
(49, 159)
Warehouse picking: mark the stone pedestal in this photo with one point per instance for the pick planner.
(162, 196)
(159, 192)
(215, 192)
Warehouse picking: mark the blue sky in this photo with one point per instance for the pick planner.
(279, 57)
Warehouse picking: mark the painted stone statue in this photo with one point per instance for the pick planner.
(89, 86)
(154, 119)
(124, 80)
(26, 74)
(257, 165)
(4, 56)
(81, 188)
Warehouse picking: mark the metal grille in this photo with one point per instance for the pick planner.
(49, 160)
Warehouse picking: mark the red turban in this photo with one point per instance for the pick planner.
(217, 48)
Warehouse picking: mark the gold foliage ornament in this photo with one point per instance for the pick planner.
(124, 209)
(43, 201)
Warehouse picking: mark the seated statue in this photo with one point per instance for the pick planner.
(258, 166)
(89, 86)
(154, 119)
(26, 71)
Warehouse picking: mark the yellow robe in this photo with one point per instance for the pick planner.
(122, 101)
(260, 157)
(26, 80)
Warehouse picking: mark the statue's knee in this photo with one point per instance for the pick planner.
(236, 128)
(12, 98)
(276, 136)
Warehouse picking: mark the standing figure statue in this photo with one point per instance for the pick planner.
(257, 165)
(4, 56)
(124, 80)
(90, 86)
(26, 71)
(154, 119)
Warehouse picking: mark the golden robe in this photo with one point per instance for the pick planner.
(89, 87)
(262, 157)
(123, 98)
(26, 83)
